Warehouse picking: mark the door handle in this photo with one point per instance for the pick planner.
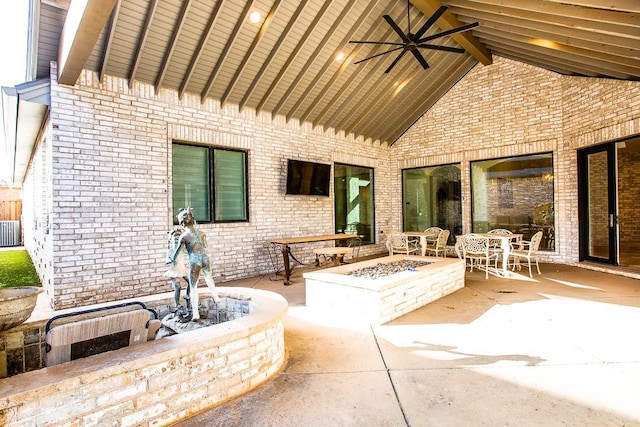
(611, 220)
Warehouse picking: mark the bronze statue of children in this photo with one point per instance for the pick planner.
(195, 242)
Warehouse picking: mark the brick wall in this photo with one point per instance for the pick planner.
(110, 187)
(510, 109)
(155, 383)
(37, 211)
(111, 152)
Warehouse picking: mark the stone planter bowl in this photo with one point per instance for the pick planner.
(16, 305)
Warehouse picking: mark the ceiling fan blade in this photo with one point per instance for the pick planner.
(420, 58)
(396, 28)
(372, 42)
(446, 33)
(395, 61)
(444, 48)
(379, 54)
(436, 15)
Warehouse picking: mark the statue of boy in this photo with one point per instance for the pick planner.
(195, 242)
(179, 268)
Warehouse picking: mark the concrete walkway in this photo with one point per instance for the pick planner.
(561, 349)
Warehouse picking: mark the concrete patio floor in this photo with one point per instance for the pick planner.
(560, 349)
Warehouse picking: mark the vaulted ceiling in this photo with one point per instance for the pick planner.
(288, 62)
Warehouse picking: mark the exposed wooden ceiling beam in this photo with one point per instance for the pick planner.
(561, 16)
(107, 51)
(341, 92)
(60, 4)
(294, 54)
(449, 21)
(543, 55)
(274, 51)
(553, 11)
(623, 64)
(225, 51)
(166, 60)
(539, 24)
(619, 5)
(251, 51)
(330, 62)
(82, 27)
(142, 41)
(489, 27)
(197, 54)
(312, 58)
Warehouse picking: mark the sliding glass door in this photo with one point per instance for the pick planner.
(353, 191)
(598, 228)
(431, 197)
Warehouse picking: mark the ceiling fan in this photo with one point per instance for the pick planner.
(413, 42)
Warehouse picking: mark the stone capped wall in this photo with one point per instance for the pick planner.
(155, 383)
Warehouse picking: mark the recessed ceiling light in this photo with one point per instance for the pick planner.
(340, 56)
(545, 43)
(400, 85)
(255, 17)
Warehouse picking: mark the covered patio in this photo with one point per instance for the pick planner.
(127, 100)
(558, 349)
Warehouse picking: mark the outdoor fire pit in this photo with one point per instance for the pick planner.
(382, 289)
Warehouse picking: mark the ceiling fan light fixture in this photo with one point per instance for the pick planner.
(414, 42)
(340, 56)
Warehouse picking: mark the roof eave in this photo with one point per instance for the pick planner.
(24, 108)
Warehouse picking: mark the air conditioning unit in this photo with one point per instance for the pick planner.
(9, 233)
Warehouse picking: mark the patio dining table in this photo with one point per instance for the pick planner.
(505, 245)
(286, 249)
(425, 238)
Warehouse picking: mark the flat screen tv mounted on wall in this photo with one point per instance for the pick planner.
(308, 178)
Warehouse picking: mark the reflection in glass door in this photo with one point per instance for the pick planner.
(600, 220)
(608, 187)
(431, 197)
(628, 220)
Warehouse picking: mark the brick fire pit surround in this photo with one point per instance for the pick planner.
(157, 382)
(334, 292)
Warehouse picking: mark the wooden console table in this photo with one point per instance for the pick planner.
(286, 250)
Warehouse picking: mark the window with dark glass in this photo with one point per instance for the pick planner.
(353, 194)
(431, 198)
(212, 181)
(514, 193)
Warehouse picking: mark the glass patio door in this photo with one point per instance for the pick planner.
(432, 197)
(598, 204)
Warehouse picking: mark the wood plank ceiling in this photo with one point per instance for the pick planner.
(287, 63)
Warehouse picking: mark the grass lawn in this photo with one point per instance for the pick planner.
(16, 269)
